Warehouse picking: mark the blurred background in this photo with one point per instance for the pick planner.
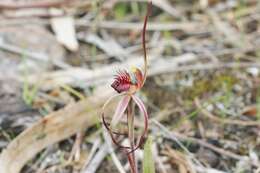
(59, 57)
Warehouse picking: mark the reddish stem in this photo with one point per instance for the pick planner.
(149, 9)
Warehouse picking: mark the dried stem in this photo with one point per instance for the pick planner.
(149, 8)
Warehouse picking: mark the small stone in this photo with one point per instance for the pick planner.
(253, 71)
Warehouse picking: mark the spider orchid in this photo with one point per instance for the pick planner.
(127, 83)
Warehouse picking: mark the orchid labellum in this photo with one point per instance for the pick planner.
(127, 83)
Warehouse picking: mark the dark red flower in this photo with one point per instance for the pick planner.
(122, 82)
(128, 82)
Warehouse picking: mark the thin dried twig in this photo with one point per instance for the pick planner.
(97, 160)
(179, 159)
(157, 26)
(92, 152)
(33, 55)
(72, 76)
(174, 135)
(159, 161)
(115, 159)
(33, 4)
(163, 4)
(224, 121)
(206, 66)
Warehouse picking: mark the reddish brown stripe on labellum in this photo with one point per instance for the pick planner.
(122, 82)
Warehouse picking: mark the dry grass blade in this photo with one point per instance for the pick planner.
(179, 159)
(181, 137)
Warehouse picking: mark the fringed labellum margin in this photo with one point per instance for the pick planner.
(128, 82)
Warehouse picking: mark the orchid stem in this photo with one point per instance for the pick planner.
(149, 9)
(130, 120)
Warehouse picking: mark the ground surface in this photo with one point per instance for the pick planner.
(202, 92)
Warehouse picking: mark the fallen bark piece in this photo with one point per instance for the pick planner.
(64, 29)
(51, 129)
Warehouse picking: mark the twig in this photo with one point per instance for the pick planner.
(224, 121)
(75, 152)
(206, 66)
(188, 27)
(159, 161)
(97, 160)
(167, 7)
(174, 135)
(23, 22)
(179, 159)
(20, 51)
(51, 129)
(33, 4)
(110, 46)
(231, 35)
(93, 150)
(163, 4)
(112, 153)
(184, 26)
(72, 76)
(33, 55)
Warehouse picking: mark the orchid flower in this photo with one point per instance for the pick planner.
(127, 83)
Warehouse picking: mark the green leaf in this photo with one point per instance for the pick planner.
(148, 162)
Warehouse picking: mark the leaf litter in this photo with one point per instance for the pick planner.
(202, 90)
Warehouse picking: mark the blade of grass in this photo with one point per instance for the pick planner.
(148, 162)
(73, 92)
(28, 93)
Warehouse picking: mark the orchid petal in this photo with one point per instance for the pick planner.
(120, 110)
(106, 125)
(110, 99)
(142, 108)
